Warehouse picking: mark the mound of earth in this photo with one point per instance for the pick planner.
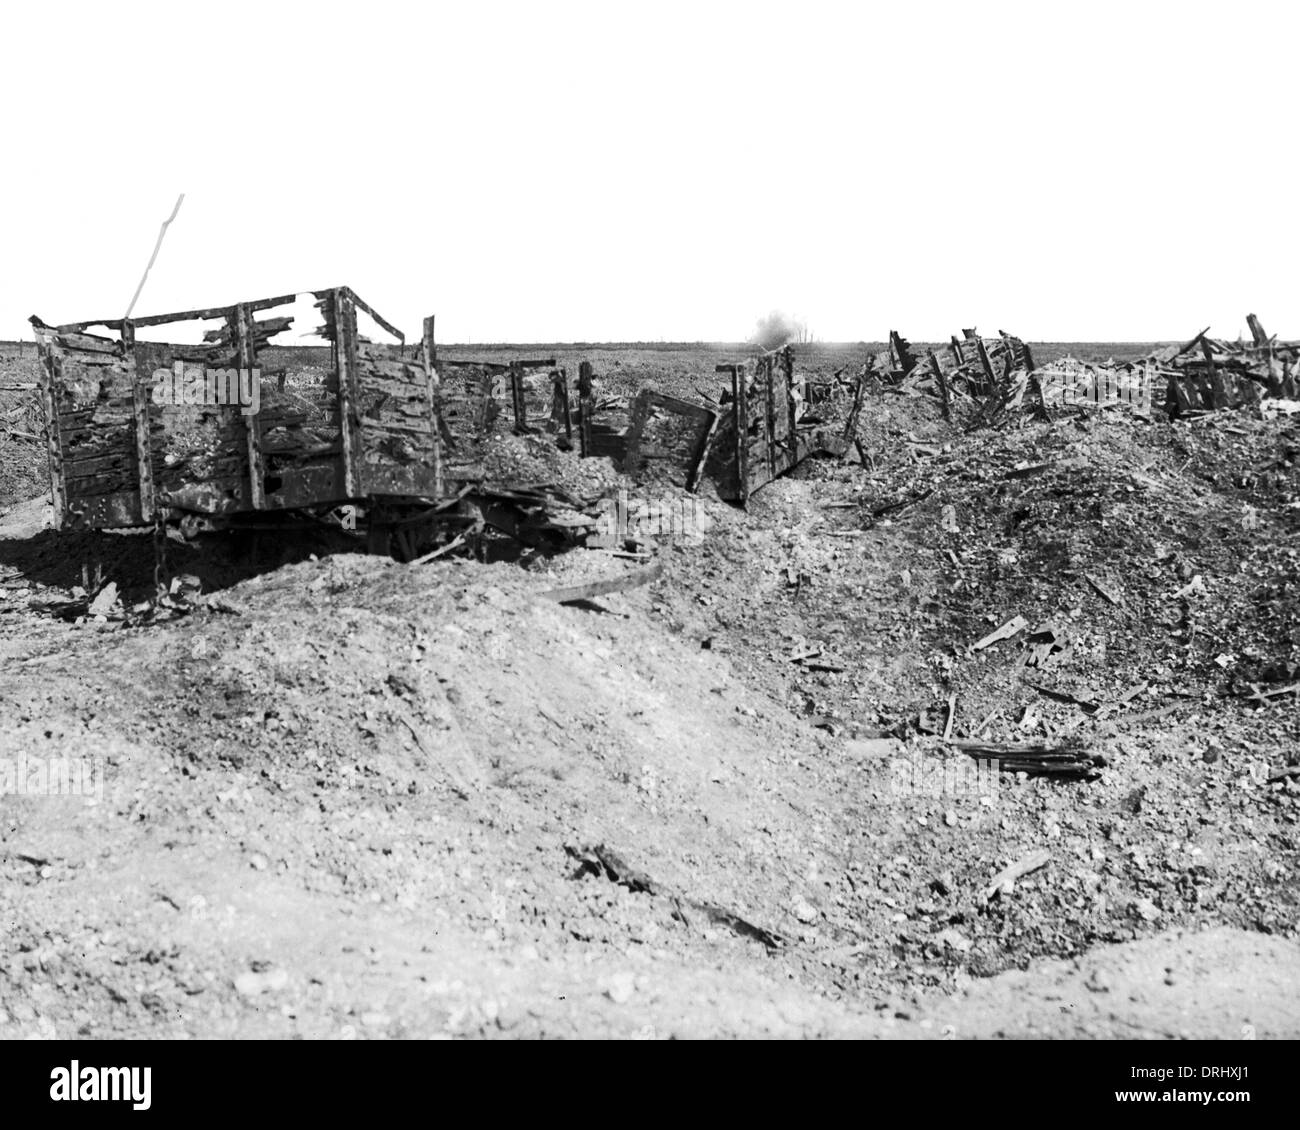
(436, 750)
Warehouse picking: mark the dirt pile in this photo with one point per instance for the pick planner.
(435, 743)
(1153, 570)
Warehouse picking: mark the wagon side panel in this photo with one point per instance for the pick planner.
(88, 388)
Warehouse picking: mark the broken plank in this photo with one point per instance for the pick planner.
(1004, 881)
(633, 579)
(1012, 627)
(1102, 589)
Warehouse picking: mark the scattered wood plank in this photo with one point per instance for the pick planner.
(1262, 697)
(1101, 589)
(823, 665)
(1027, 470)
(602, 860)
(455, 542)
(630, 580)
(1011, 628)
(1133, 691)
(1090, 706)
(1004, 881)
(891, 507)
(1069, 760)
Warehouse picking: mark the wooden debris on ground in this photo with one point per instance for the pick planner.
(1003, 883)
(1037, 759)
(1012, 627)
(604, 861)
(1102, 589)
(630, 580)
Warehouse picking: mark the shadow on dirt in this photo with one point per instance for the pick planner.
(90, 559)
(64, 559)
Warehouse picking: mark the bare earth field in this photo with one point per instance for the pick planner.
(349, 798)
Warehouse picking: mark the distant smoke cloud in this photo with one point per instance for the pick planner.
(775, 329)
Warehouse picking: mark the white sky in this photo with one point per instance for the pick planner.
(559, 171)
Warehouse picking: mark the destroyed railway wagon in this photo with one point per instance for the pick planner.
(143, 431)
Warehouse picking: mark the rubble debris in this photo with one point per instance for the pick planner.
(1069, 382)
(1202, 375)
(1045, 645)
(1206, 374)
(977, 378)
(441, 551)
(987, 377)
(902, 504)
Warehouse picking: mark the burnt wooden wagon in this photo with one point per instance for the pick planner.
(374, 430)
